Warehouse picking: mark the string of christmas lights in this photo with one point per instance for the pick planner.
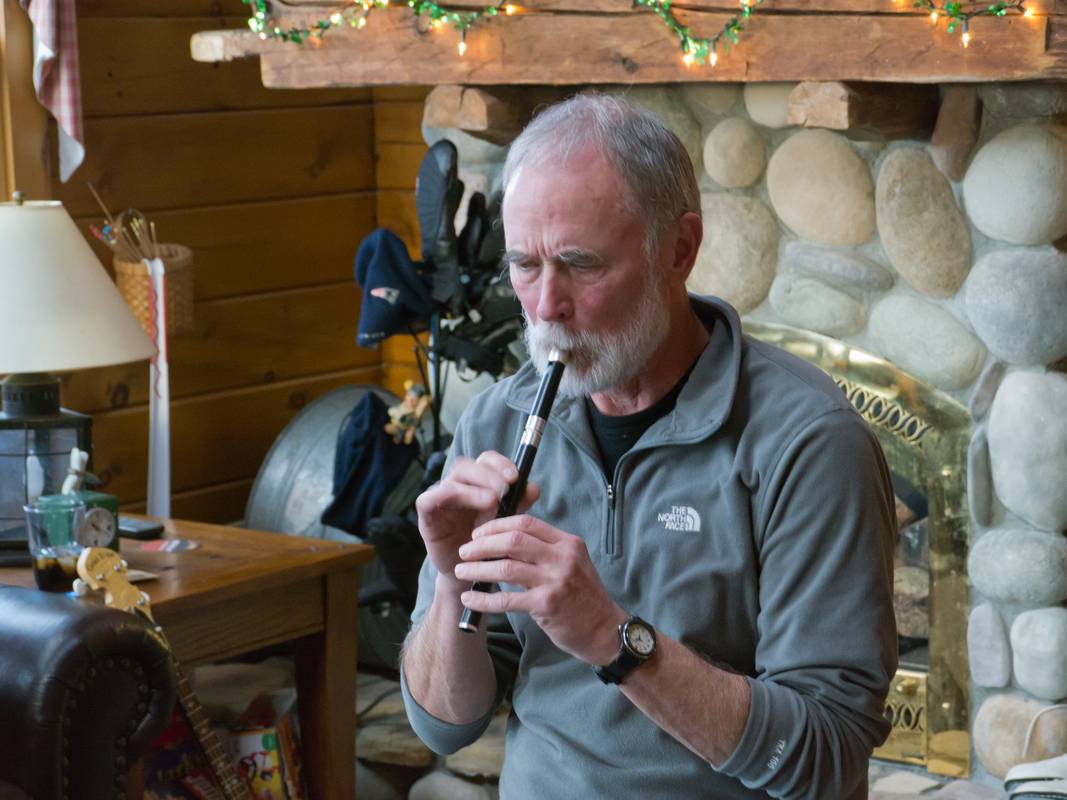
(695, 49)
(355, 15)
(700, 49)
(960, 19)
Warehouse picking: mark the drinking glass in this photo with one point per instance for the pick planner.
(52, 522)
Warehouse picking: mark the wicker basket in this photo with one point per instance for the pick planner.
(133, 282)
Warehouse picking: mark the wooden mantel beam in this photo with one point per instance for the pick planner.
(603, 42)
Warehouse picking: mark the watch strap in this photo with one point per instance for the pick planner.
(627, 660)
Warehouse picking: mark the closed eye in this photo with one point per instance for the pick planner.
(520, 260)
(585, 265)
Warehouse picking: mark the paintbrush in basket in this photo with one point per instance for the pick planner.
(113, 234)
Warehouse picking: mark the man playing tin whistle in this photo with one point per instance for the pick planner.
(699, 581)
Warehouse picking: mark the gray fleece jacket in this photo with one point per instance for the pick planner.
(754, 524)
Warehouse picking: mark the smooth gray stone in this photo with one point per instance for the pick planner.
(1039, 652)
(734, 153)
(384, 735)
(442, 785)
(768, 103)
(1016, 187)
(903, 782)
(1019, 565)
(708, 101)
(1015, 299)
(810, 304)
(927, 341)
(485, 757)
(979, 479)
(822, 189)
(966, 790)
(988, 651)
(1027, 433)
(922, 229)
(999, 730)
(841, 268)
(738, 256)
(985, 389)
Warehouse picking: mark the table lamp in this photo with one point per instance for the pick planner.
(59, 311)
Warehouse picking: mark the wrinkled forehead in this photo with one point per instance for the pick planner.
(580, 191)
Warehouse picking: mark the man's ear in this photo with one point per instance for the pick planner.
(689, 233)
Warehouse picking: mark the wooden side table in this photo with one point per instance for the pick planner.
(242, 590)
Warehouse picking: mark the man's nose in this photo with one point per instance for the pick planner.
(554, 302)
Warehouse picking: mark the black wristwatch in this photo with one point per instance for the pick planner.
(637, 644)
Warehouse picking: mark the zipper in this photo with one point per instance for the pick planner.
(593, 459)
(609, 543)
(609, 531)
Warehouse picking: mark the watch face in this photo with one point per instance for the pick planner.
(97, 529)
(640, 639)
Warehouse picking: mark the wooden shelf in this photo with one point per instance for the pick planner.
(568, 42)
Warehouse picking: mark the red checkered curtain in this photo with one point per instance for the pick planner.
(56, 75)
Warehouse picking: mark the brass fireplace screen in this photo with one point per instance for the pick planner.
(924, 434)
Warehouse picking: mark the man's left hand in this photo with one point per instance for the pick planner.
(562, 591)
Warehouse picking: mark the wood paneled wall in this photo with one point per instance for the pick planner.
(273, 190)
(400, 148)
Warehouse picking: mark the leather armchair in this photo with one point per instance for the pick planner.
(84, 690)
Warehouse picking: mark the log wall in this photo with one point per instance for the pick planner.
(399, 149)
(273, 190)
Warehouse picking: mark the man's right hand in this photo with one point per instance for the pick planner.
(464, 499)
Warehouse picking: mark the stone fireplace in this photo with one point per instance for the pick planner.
(923, 274)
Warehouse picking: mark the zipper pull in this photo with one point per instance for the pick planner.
(611, 495)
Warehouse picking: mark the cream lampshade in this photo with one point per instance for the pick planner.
(59, 311)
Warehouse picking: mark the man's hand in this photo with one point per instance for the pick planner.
(467, 497)
(450, 673)
(563, 592)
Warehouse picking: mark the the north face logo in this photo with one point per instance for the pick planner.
(680, 518)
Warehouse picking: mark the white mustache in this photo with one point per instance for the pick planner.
(554, 335)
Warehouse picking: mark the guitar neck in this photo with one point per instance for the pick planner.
(104, 569)
(233, 788)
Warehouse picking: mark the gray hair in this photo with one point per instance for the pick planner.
(649, 158)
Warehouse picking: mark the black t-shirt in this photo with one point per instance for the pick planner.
(615, 435)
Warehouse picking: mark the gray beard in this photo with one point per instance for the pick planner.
(599, 362)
